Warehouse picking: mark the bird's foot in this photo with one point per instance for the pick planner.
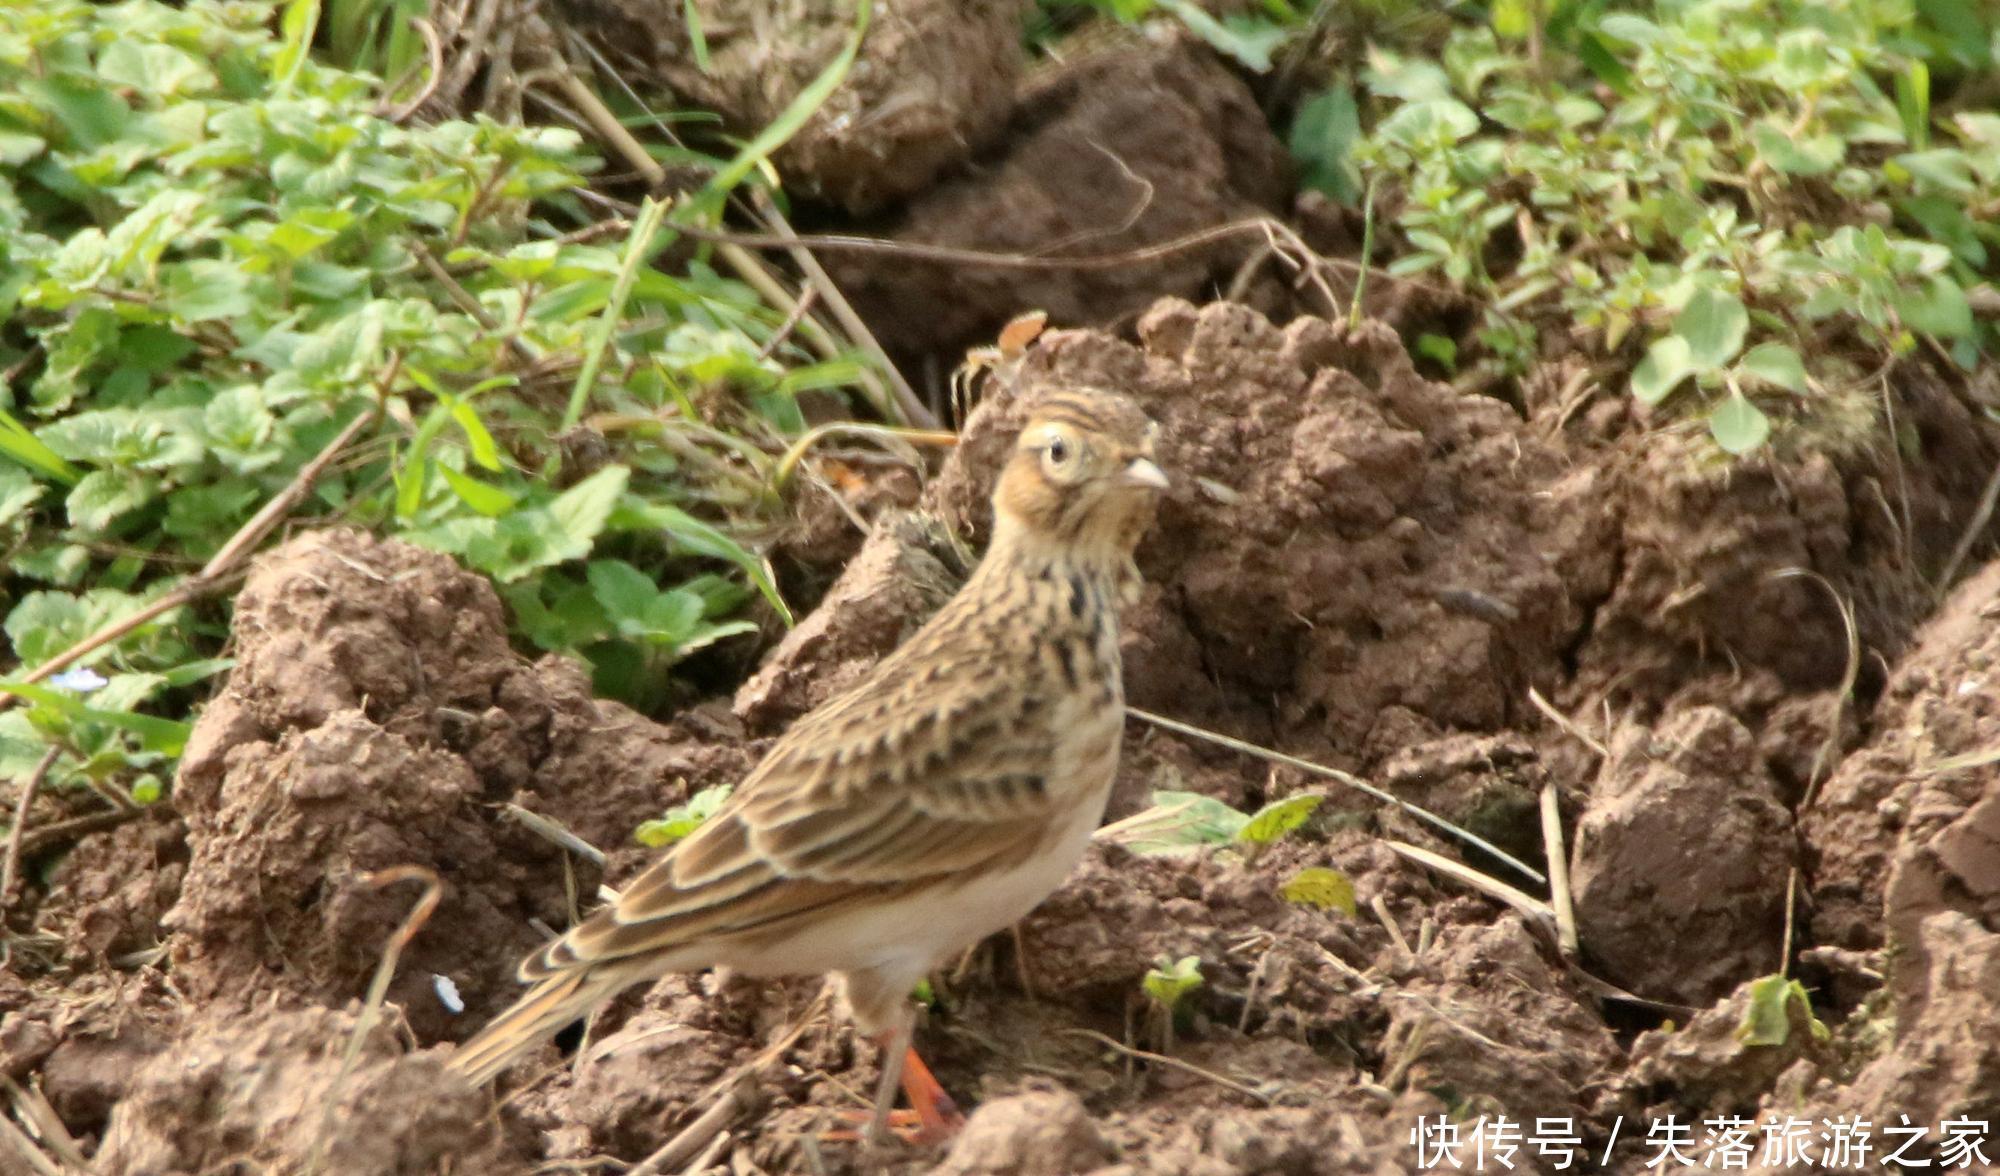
(932, 1116)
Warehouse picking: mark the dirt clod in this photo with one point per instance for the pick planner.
(1684, 843)
(1120, 146)
(1028, 1135)
(933, 81)
(270, 1092)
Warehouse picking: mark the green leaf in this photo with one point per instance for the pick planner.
(164, 736)
(1179, 823)
(1767, 1020)
(582, 509)
(1170, 981)
(1939, 308)
(103, 495)
(1738, 425)
(1322, 139)
(477, 439)
(18, 491)
(1776, 364)
(1512, 20)
(486, 499)
(1278, 818)
(1428, 126)
(23, 446)
(684, 819)
(1320, 887)
(623, 590)
(1666, 364)
(1249, 40)
(1713, 323)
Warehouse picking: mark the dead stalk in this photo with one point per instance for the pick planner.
(378, 987)
(29, 787)
(1558, 855)
(1335, 774)
(1145, 1055)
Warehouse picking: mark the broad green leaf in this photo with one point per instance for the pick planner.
(582, 509)
(622, 589)
(1776, 364)
(1940, 308)
(1666, 364)
(487, 499)
(103, 495)
(1250, 40)
(1278, 818)
(1738, 425)
(684, 819)
(1713, 323)
(1320, 887)
(1179, 823)
(1767, 1020)
(1322, 139)
(18, 491)
(1170, 980)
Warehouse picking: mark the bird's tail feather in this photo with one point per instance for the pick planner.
(545, 1008)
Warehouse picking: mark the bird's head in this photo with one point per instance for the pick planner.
(1082, 474)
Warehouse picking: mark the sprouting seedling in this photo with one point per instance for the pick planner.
(1275, 820)
(1768, 1019)
(1320, 887)
(682, 819)
(1167, 986)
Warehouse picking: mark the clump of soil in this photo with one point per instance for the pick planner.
(1347, 546)
(1914, 817)
(933, 82)
(375, 718)
(1120, 145)
(272, 1092)
(1696, 780)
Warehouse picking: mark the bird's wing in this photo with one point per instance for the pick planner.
(921, 770)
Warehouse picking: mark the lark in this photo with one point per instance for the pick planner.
(937, 801)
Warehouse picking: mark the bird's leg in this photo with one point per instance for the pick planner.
(934, 1108)
(932, 1116)
(896, 1050)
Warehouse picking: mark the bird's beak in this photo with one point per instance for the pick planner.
(1142, 472)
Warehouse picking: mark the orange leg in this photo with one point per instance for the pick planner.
(932, 1116)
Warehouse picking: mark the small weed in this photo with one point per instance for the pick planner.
(682, 819)
(1768, 1019)
(1167, 987)
(1754, 190)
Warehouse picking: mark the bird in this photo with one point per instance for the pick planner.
(936, 801)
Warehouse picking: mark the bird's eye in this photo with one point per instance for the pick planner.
(1058, 451)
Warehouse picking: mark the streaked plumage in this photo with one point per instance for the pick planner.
(936, 801)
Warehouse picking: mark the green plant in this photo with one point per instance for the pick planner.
(1167, 986)
(1321, 888)
(1767, 1020)
(216, 255)
(682, 819)
(1754, 188)
(1248, 38)
(1182, 823)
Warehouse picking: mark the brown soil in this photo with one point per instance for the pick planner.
(933, 83)
(1119, 146)
(1355, 564)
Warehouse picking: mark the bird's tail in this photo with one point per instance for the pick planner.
(552, 1003)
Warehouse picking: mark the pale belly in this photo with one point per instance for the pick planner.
(912, 935)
